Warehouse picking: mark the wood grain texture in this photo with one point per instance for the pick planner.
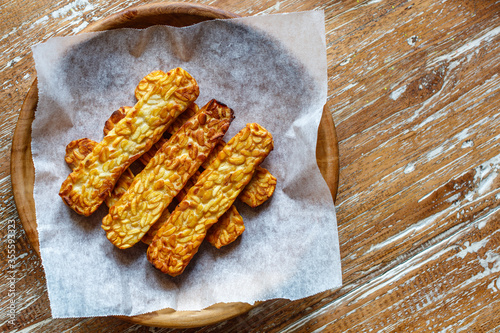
(22, 170)
(414, 90)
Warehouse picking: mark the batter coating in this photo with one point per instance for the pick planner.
(178, 240)
(91, 182)
(165, 175)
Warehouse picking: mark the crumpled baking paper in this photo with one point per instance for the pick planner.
(270, 70)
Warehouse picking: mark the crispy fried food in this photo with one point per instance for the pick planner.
(147, 84)
(221, 234)
(119, 114)
(182, 193)
(91, 182)
(260, 188)
(120, 188)
(165, 175)
(115, 118)
(77, 150)
(229, 227)
(178, 240)
(213, 156)
(148, 237)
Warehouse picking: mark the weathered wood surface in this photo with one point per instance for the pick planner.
(414, 90)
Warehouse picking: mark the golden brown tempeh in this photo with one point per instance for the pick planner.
(227, 229)
(178, 240)
(91, 182)
(147, 83)
(182, 193)
(260, 188)
(115, 118)
(231, 225)
(148, 237)
(77, 150)
(221, 234)
(119, 114)
(165, 175)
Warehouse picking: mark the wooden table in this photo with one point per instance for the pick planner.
(414, 90)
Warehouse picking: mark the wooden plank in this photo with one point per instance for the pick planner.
(419, 186)
(454, 284)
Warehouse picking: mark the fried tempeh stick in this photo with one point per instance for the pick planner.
(227, 229)
(165, 175)
(147, 83)
(75, 153)
(224, 232)
(119, 114)
(91, 182)
(260, 188)
(178, 240)
(77, 150)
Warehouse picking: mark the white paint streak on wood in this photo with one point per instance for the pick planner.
(485, 175)
(73, 10)
(80, 27)
(410, 167)
(392, 277)
(469, 46)
(271, 9)
(41, 20)
(33, 328)
(408, 233)
(11, 62)
(389, 278)
(397, 93)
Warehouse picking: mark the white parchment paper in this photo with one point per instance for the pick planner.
(268, 69)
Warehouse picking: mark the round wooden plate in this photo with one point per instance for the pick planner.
(23, 175)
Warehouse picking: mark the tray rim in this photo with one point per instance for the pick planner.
(22, 171)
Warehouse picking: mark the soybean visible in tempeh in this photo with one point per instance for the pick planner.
(165, 175)
(90, 183)
(178, 240)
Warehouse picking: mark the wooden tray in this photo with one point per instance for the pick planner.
(22, 169)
